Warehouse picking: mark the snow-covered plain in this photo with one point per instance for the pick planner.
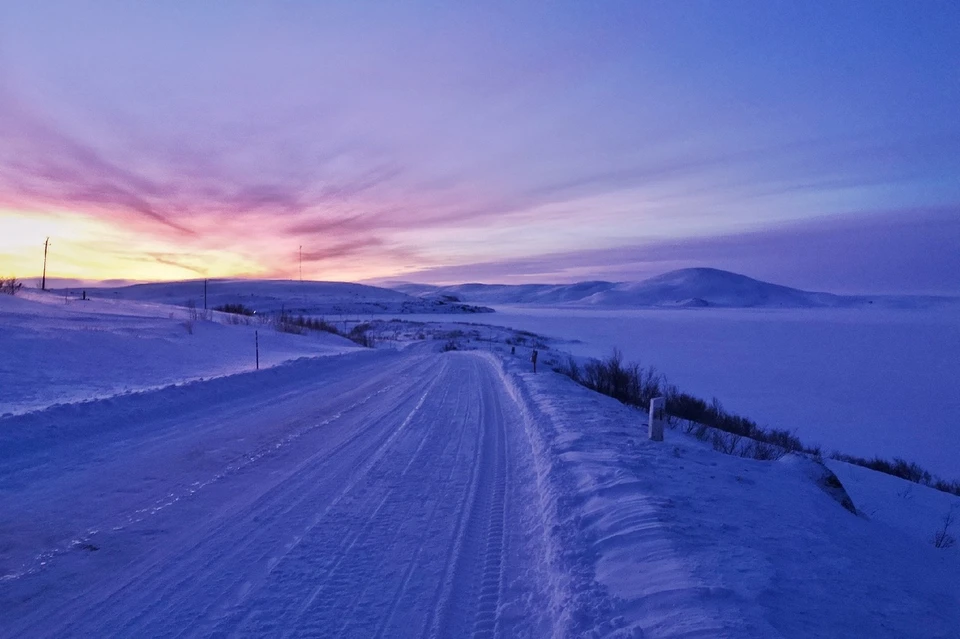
(408, 492)
(57, 349)
(862, 381)
(331, 299)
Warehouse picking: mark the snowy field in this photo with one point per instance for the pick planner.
(862, 381)
(330, 299)
(403, 491)
(56, 349)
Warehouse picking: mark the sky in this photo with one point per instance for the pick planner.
(814, 144)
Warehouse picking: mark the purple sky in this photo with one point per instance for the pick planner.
(812, 144)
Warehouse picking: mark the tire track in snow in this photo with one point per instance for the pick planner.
(366, 602)
(294, 493)
(286, 604)
(43, 558)
(404, 587)
(469, 602)
(158, 591)
(368, 525)
(397, 526)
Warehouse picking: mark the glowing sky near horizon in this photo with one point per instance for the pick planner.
(814, 144)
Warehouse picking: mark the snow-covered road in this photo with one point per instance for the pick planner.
(380, 494)
(408, 493)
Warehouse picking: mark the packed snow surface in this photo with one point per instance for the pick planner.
(384, 494)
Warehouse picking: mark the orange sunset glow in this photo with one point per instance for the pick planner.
(401, 144)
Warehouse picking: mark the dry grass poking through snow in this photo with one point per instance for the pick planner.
(635, 385)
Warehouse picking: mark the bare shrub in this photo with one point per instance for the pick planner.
(942, 537)
(902, 469)
(636, 386)
(762, 451)
(571, 369)
(361, 334)
(727, 443)
(235, 309)
(323, 325)
(947, 486)
(10, 285)
(628, 383)
(701, 432)
(285, 326)
(287, 323)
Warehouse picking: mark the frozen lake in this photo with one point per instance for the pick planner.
(862, 381)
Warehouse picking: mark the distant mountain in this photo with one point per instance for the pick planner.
(272, 296)
(691, 287)
(708, 287)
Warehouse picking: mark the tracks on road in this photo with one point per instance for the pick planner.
(386, 510)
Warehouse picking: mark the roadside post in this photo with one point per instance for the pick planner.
(256, 340)
(657, 412)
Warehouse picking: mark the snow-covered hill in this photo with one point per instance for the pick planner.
(692, 287)
(272, 296)
(708, 287)
(56, 349)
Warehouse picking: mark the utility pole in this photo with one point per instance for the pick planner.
(204, 294)
(43, 281)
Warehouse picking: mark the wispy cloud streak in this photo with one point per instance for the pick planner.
(403, 139)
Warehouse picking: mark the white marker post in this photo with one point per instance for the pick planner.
(658, 407)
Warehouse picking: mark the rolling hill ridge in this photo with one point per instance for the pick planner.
(684, 288)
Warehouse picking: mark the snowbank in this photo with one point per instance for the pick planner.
(677, 540)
